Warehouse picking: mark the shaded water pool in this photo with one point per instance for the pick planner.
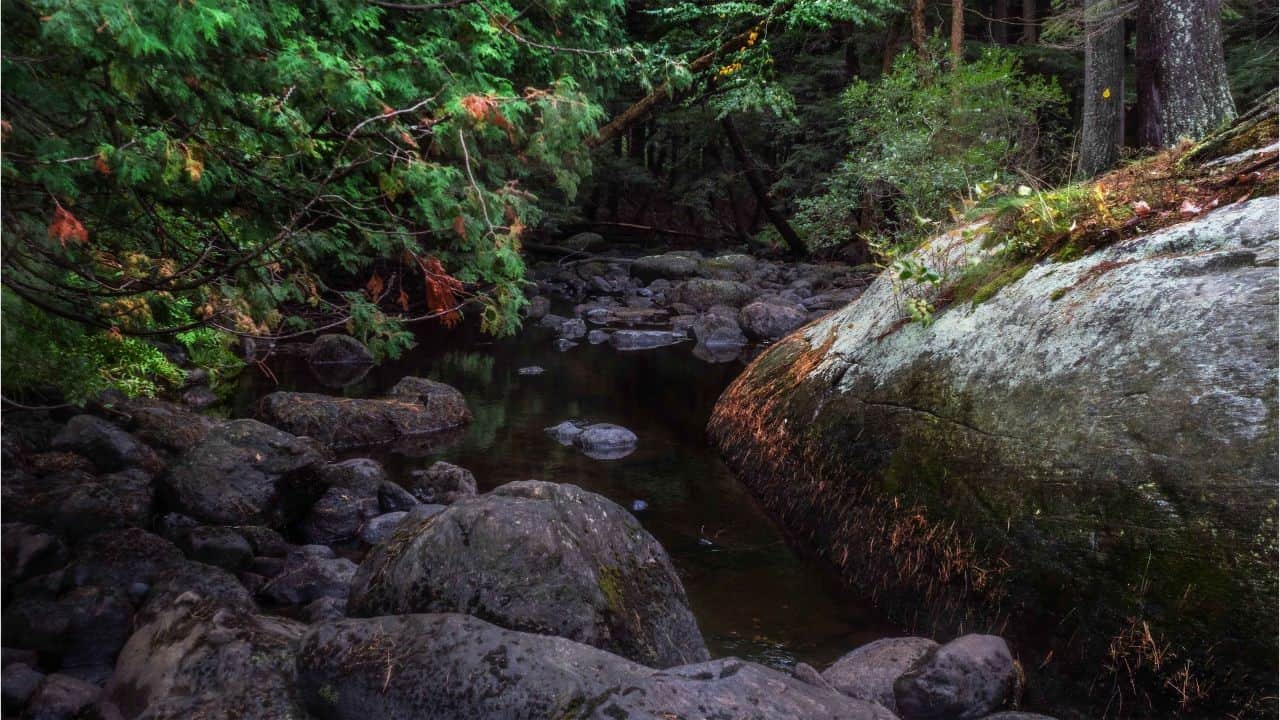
(754, 597)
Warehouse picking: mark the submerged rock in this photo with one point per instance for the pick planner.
(1109, 419)
(414, 407)
(530, 370)
(538, 557)
(338, 349)
(643, 339)
(455, 666)
(603, 441)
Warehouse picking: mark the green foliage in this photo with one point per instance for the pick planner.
(922, 135)
(248, 163)
(51, 356)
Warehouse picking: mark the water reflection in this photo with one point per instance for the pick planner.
(753, 596)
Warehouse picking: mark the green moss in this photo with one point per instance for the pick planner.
(982, 281)
(328, 694)
(611, 584)
(1056, 295)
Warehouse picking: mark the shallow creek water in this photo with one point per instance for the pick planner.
(754, 597)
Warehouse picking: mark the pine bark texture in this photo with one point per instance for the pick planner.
(1182, 75)
(1102, 135)
(918, 35)
(957, 32)
(1029, 26)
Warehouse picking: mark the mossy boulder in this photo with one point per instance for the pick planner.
(705, 293)
(1091, 447)
(537, 557)
(414, 407)
(669, 266)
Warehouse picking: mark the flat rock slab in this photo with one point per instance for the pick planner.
(414, 408)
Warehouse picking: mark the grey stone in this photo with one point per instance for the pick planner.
(60, 697)
(642, 339)
(414, 407)
(497, 673)
(1093, 419)
(666, 267)
(603, 441)
(109, 447)
(702, 293)
(307, 577)
(338, 349)
(17, 683)
(376, 530)
(868, 672)
(540, 557)
(531, 370)
(238, 473)
(197, 659)
(770, 321)
(219, 546)
(443, 483)
(967, 678)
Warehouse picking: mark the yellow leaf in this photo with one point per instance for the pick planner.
(1106, 93)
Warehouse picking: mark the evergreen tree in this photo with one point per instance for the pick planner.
(1102, 135)
(1182, 76)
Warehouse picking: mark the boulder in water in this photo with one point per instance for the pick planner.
(868, 672)
(965, 679)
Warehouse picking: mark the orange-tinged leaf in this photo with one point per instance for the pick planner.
(403, 300)
(194, 165)
(375, 286)
(442, 291)
(66, 226)
(460, 226)
(100, 164)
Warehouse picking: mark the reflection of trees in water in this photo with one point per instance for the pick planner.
(469, 369)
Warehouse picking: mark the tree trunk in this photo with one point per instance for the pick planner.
(1182, 75)
(919, 38)
(999, 24)
(1102, 134)
(891, 44)
(957, 32)
(761, 190)
(641, 108)
(1029, 26)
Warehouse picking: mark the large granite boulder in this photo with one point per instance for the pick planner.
(868, 672)
(538, 557)
(199, 659)
(447, 666)
(414, 407)
(705, 293)
(1097, 441)
(240, 473)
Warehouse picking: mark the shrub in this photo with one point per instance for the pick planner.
(922, 135)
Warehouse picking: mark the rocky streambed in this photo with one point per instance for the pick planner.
(313, 557)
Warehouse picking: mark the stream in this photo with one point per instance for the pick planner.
(753, 595)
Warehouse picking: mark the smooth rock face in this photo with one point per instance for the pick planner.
(377, 530)
(17, 682)
(307, 577)
(414, 407)
(237, 474)
(1095, 426)
(868, 672)
(967, 678)
(538, 557)
(196, 659)
(451, 666)
(60, 697)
